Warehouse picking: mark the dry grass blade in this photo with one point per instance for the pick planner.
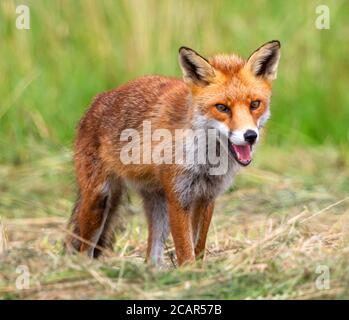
(3, 239)
(324, 209)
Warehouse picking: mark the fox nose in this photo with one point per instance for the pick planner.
(250, 136)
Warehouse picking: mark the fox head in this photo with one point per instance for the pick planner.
(231, 94)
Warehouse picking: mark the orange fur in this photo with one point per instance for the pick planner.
(167, 103)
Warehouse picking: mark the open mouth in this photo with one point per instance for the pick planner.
(241, 153)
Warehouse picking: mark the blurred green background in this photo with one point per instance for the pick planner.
(75, 49)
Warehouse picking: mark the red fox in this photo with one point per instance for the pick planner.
(225, 93)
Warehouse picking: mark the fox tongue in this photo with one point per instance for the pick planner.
(243, 153)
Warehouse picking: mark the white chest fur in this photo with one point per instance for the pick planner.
(197, 183)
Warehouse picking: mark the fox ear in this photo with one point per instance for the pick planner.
(264, 61)
(196, 69)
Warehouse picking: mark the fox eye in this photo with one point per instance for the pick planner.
(222, 108)
(255, 104)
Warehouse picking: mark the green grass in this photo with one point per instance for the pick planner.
(76, 49)
(269, 234)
